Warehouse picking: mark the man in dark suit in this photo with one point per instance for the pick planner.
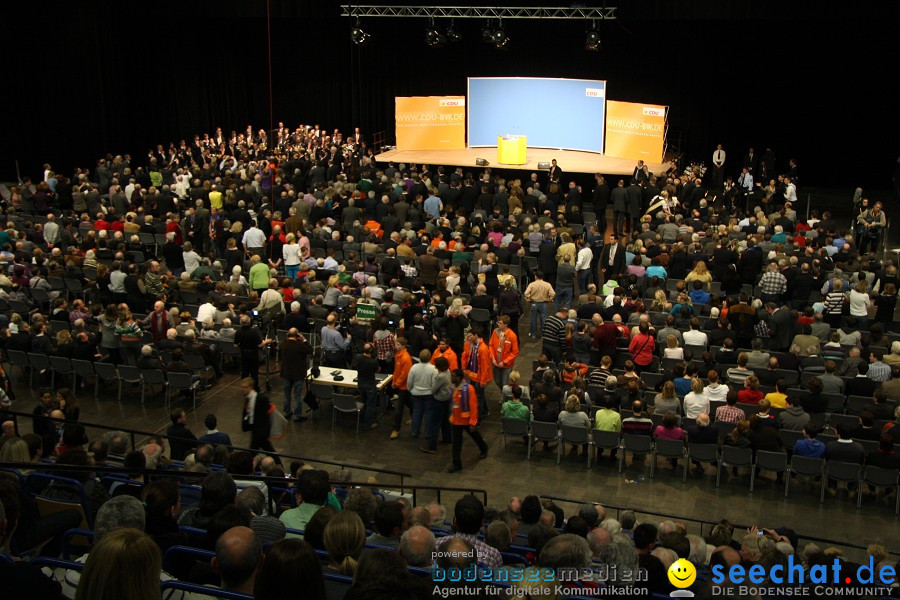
(181, 439)
(390, 266)
(555, 172)
(620, 207)
(481, 299)
(781, 327)
(633, 195)
(751, 263)
(861, 385)
(600, 198)
(256, 417)
(295, 351)
(612, 259)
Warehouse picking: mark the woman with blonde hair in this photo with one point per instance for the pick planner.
(860, 302)
(660, 302)
(125, 563)
(673, 350)
(291, 254)
(700, 273)
(345, 537)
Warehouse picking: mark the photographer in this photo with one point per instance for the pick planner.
(334, 345)
(250, 342)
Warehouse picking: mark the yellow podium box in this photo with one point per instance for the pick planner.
(511, 149)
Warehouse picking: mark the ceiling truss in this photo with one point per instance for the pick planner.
(479, 12)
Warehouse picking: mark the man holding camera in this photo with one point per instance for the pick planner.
(334, 345)
(295, 351)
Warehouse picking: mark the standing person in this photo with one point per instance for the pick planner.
(249, 341)
(538, 293)
(504, 347)
(620, 208)
(612, 259)
(476, 363)
(441, 391)
(444, 350)
(718, 160)
(295, 351)
(109, 339)
(402, 365)
(554, 334)
(366, 366)
(130, 335)
(601, 200)
(256, 417)
(182, 440)
(334, 345)
(642, 347)
(565, 282)
(464, 418)
(419, 382)
(583, 264)
(510, 304)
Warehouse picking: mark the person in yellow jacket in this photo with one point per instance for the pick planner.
(464, 417)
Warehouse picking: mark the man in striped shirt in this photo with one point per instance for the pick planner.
(554, 334)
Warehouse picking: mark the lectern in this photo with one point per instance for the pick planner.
(511, 149)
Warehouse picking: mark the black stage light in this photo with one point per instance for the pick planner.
(453, 33)
(358, 36)
(592, 41)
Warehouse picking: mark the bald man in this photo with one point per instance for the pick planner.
(417, 545)
(238, 558)
(598, 538)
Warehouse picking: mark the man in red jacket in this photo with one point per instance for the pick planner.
(476, 363)
(464, 417)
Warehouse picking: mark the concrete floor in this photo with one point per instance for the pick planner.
(506, 472)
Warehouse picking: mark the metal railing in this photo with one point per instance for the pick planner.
(415, 490)
(136, 434)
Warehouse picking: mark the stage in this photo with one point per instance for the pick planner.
(570, 161)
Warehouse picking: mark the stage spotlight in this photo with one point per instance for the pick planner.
(499, 37)
(592, 40)
(357, 35)
(433, 37)
(487, 33)
(453, 34)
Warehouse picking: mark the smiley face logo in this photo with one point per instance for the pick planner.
(682, 573)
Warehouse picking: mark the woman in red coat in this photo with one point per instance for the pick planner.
(642, 347)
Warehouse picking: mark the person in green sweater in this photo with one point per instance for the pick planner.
(514, 409)
(608, 419)
(259, 274)
(313, 492)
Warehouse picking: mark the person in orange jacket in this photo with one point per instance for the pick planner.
(402, 365)
(447, 352)
(504, 348)
(476, 364)
(464, 417)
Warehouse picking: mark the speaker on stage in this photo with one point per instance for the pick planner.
(543, 165)
(482, 162)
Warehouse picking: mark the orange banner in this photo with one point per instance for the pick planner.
(430, 122)
(636, 131)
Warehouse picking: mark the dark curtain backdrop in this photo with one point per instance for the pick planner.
(809, 80)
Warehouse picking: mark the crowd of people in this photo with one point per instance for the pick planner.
(424, 274)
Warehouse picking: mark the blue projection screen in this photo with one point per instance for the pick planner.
(552, 113)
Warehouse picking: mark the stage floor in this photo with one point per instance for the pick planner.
(570, 161)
